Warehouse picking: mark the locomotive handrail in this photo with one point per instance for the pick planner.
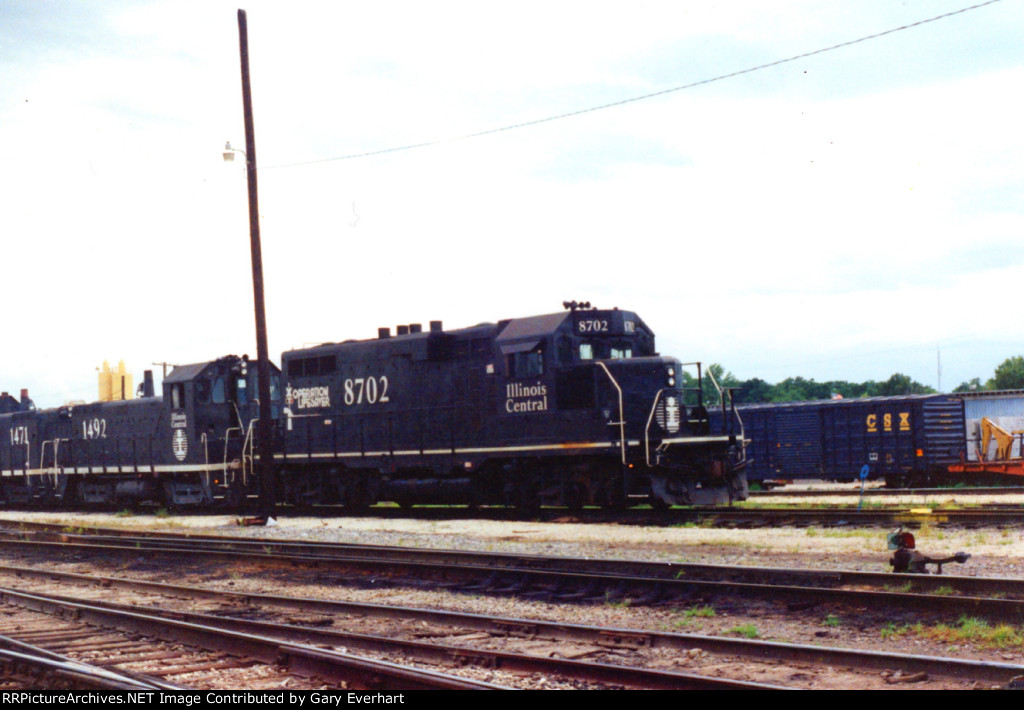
(42, 460)
(647, 429)
(718, 388)
(247, 444)
(227, 439)
(732, 404)
(622, 416)
(42, 454)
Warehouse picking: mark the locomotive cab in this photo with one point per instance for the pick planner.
(211, 412)
(594, 377)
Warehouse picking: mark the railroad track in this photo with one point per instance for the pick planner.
(117, 639)
(235, 621)
(629, 649)
(562, 579)
(739, 516)
(786, 492)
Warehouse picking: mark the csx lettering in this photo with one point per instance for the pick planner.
(904, 421)
(593, 326)
(887, 422)
(94, 429)
(872, 422)
(19, 435)
(370, 389)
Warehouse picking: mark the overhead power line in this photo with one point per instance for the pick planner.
(634, 99)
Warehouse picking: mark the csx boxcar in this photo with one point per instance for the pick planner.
(568, 408)
(184, 448)
(897, 438)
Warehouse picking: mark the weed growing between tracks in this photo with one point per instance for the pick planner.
(967, 630)
(690, 617)
(748, 631)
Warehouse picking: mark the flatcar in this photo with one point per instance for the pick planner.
(187, 447)
(570, 408)
(906, 439)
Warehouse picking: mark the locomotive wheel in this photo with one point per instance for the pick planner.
(657, 503)
(575, 496)
(613, 497)
(356, 495)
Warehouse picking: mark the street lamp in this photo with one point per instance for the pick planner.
(229, 153)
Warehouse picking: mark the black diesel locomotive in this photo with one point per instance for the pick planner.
(571, 408)
(186, 448)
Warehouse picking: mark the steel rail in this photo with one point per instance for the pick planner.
(351, 552)
(603, 636)
(299, 658)
(884, 492)
(607, 584)
(627, 676)
(35, 664)
(721, 516)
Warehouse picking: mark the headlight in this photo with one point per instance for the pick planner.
(671, 382)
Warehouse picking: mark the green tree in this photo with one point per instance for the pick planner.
(754, 391)
(970, 386)
(900, 384)
(1009, 375)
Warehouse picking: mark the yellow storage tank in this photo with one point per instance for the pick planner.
(115, 386)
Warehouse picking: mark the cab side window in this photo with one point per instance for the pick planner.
(219, 393)
(529, 364)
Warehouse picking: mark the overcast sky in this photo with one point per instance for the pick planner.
(845, 215)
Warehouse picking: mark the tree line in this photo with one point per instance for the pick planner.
(1009, 375)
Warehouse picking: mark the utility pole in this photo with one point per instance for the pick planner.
(266, 474)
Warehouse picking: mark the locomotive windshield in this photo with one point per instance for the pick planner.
(606, 335)
(617, 349)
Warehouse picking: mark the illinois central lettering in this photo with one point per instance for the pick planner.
(526, 398)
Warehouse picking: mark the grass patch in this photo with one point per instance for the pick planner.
(748, 631)
(687, 618)
(902, 588)
(831, 621)
(978, 631)
(705, 612)
(894, 631)
(967, 629)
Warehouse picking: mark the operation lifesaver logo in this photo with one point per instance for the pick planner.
(308, 397)
(526, 398)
